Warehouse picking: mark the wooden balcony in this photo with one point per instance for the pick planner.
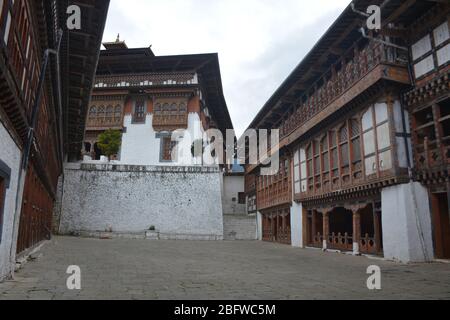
(337, 88)
(146, 80)
(170, 122)
(279, 192)
(104, 124)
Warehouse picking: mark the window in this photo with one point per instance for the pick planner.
(377, 139)
(343, 141)
(92, 113)
(101, 115)
(118, 114)
(297, 172)
(109, 114)
(139, 112)
(432, 48)
(167, 146)
(241, 197)
(356, 141)
(158, 109)
(5, 174)
(303, 171)
(5, 26)
(325, 155)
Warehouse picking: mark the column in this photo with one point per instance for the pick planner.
(377, 230)
(326, 229)
(313, 224)
(356, 232)
(297, 225)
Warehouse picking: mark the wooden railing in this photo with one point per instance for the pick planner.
(146, 79)
(368, 245)
(104, 122)
(277, 193)
(334, 83)
(268, 234)
(284, 235)
(317, 240)
(340, 241)
(173, 122)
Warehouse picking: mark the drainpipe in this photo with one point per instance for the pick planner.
(387, 43)
(30, 137)
(37, 103)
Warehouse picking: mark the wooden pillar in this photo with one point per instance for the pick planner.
(377, 230)
(326, 229)
(313, 225)
(356, 232)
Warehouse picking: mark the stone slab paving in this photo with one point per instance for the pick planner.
(139, 269)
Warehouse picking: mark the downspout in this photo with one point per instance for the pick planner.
(30, 137)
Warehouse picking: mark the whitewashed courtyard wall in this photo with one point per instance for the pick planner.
(181, 202)
(10, 155)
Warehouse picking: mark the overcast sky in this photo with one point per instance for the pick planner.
(259, 41)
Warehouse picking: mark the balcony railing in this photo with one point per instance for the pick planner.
(146, 80)
(279, 192)
(104, 123)
(179, 121)
(335, 83)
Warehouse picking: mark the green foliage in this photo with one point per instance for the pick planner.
(109, 142)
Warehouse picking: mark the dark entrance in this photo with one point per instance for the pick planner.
(441, 223)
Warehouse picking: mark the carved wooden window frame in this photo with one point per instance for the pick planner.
(165, 139)
(139, 112)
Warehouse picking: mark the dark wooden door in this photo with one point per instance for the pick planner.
(441, 225)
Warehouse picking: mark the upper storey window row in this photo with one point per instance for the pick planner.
(101, 115)
(357, 150)
(432, 51)
(146, 80)
(18, 37)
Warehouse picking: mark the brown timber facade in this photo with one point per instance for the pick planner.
(362, 120)
(27, 30)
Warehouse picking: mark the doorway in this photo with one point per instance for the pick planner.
(441, 223)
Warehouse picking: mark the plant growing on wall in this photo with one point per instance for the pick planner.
(109, 142)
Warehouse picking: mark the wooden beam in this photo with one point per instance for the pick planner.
(398, 12)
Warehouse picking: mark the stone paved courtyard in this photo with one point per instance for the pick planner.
(135, 269)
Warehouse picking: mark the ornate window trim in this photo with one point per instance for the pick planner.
(164, 137)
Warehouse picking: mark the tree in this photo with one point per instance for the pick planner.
(109, 142)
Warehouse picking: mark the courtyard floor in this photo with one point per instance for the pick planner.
(135, 269)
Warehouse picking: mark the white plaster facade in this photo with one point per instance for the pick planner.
(142, 146)
(297, 225)
(259, 227)
(232, 186)
(10, 154)
(406, 219)
(180, 202)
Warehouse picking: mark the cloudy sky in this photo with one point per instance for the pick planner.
(259, 41)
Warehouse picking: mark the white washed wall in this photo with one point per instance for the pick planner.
(10, 155)
(181, 202)
(140, 145)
